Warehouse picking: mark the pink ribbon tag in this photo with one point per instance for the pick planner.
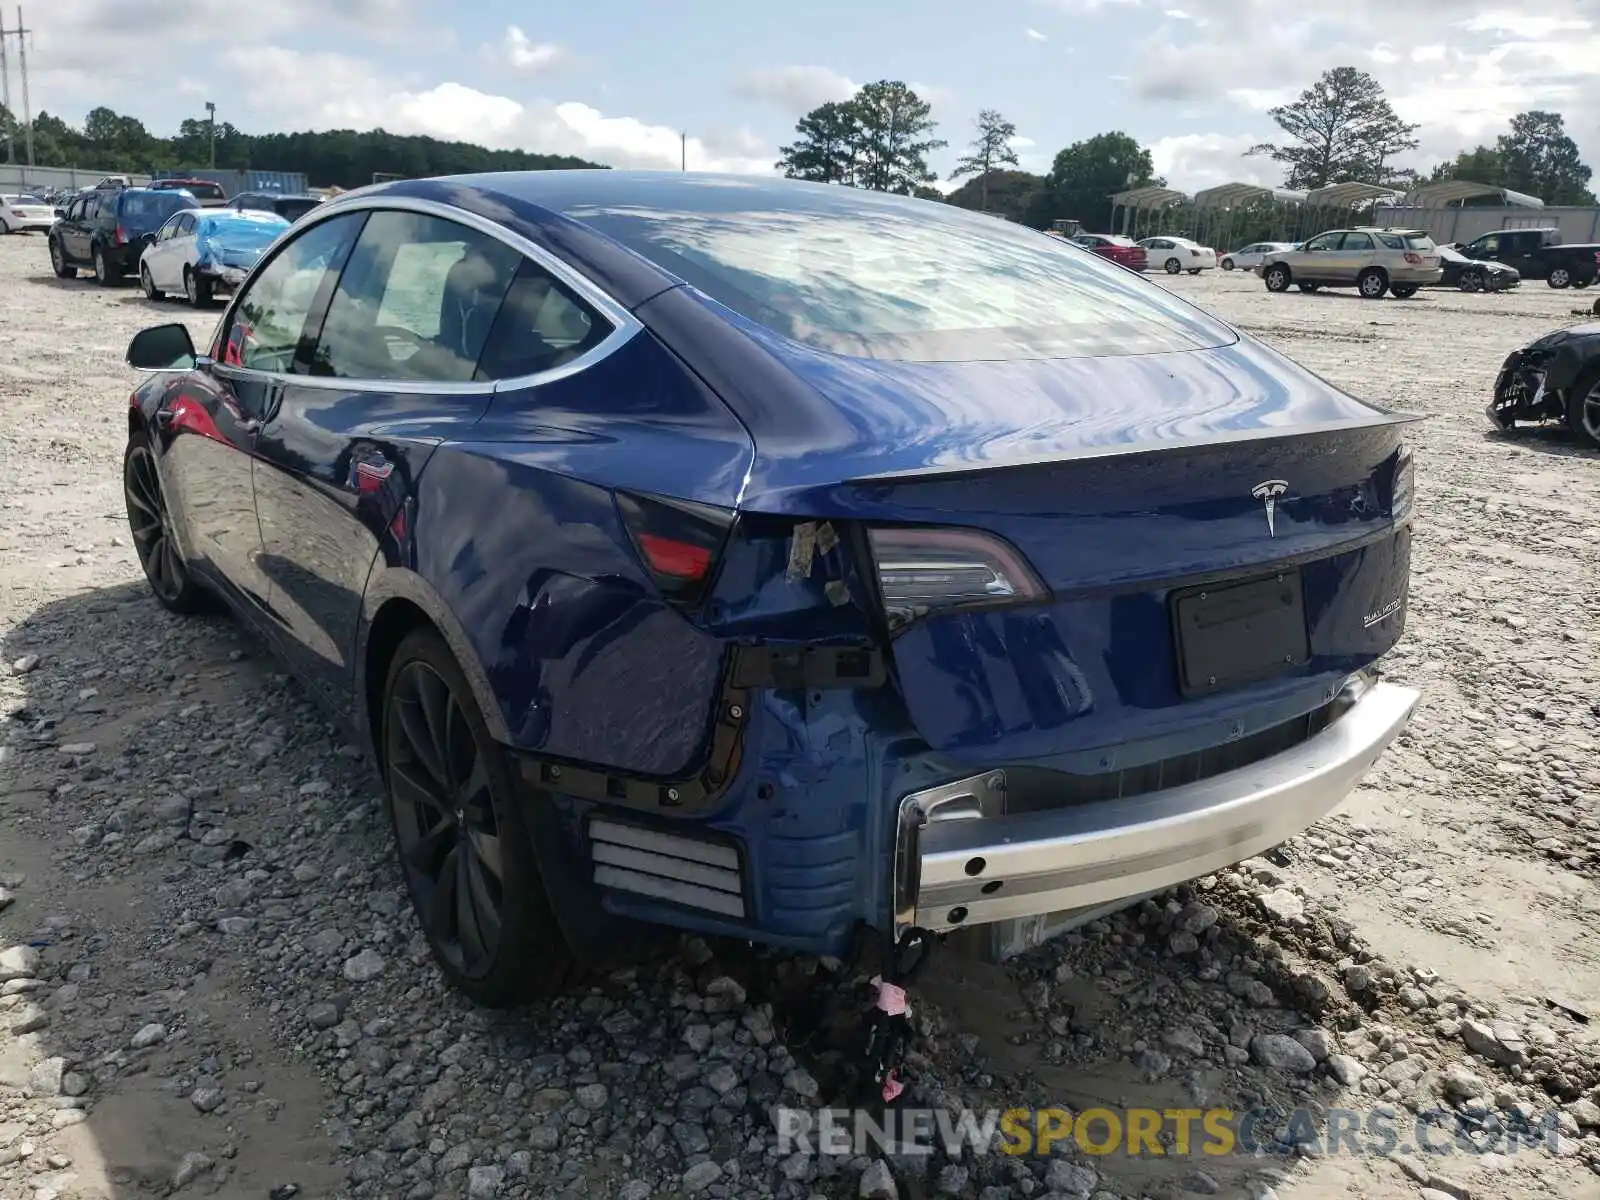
(892, 1087)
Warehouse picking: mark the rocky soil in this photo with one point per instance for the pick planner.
(211, 984)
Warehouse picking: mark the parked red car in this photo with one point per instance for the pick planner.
(1123, 251)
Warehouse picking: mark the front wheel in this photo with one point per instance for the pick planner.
(1583, 408)
(1372, 283)
(1276, 277)
(1403, 291)
(1226, 264)
(461, 837)
(197, 289)
(150, 523)
(1559, 277)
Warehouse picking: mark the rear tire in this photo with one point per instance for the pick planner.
(464, 848)
(1559, 278)
(1470, 281)
(58, 261)
(150, 523)
(151, 292)
(1372, 283)
(1276, 277)
(1172, 266)
(103, 275)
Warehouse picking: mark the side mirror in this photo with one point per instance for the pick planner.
(162, 348)
(61, 214)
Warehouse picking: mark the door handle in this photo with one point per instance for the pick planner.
(164, 418)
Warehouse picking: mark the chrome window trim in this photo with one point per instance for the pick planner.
(624, 324)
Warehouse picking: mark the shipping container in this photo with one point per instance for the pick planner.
(288, 183)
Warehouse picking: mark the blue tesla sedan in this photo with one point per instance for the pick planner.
(776, 560)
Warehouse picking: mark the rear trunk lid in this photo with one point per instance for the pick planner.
(1133, 487)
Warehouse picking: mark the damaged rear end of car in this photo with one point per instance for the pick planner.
(1043, 593)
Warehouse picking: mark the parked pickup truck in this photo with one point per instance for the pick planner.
(1539, 254)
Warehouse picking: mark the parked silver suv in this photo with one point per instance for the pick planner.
(1369, 259)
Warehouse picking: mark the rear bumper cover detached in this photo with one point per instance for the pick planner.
(960, 860)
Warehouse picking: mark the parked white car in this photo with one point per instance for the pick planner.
(202, 251)
(1249, 258)
(1175, 254)
(20, 213)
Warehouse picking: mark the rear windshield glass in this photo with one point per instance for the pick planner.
(293, 210)
(206, 191)
(881, 277)
(149, 210)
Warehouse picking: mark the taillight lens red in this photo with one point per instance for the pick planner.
(678, 542)
(1413, 259)
(679, 560)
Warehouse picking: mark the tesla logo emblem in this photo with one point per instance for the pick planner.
(1268, 493)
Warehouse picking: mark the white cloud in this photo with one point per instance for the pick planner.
(351, 93)
(1461, 74)
(795, 90)
(525, 54)
(1020, 143)
(1036, 36)
(1194, 161)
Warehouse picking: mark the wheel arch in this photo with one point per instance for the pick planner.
(397, 601)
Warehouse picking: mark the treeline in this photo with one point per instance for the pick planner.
(109, 141)
(1340, 128)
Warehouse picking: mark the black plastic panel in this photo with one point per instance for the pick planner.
(1231, 634)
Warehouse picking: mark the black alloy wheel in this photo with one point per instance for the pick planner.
(463, 847)
(150, 523)
(1583, 408)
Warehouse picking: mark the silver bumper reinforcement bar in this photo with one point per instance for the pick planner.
(959, 860)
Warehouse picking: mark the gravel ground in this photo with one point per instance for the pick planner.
(210, 982)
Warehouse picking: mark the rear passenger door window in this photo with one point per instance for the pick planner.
(542, 326)
(416, 301)
(265, 329)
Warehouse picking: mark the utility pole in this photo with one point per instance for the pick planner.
(5, 94)
(22, 58)
(211, 121)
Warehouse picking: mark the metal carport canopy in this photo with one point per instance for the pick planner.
(1231, 195)
(1450, 191)
(1150, 197)
(1344, 195)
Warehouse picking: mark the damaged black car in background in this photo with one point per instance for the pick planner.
(1553, 378)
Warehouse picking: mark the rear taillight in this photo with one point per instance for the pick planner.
(1597, 257)
(1404, 485)
(677, 541)
(1414, 259)
(926, 570)
(1194, 254)
(121, 238)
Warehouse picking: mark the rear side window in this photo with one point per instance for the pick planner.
(880, 277)
(1392, 240)
(207, 191)
(1419, 241)
(416, 301)
(541, 326)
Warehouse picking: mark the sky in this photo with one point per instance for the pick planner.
(616, 82)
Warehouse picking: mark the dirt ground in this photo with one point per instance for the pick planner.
(210, 983)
